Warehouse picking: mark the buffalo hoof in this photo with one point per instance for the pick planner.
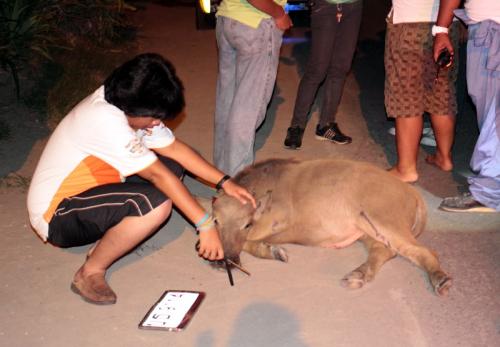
(279, 253)
(443, 285)
(353, 280)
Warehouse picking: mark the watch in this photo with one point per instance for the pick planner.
(439, 30)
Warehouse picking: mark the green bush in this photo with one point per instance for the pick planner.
(99, 21)
(84, 69)
(26, 33)
(102, 40)
(31, 29)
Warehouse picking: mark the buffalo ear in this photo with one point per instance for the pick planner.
(206, 203)
(263, 204)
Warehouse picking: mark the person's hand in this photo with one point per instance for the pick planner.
(442, 42)
(284, 22)
(210, 245)
(238, 192)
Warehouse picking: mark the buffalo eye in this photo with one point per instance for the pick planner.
(248, 226)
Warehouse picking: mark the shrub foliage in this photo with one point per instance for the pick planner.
(31, 29)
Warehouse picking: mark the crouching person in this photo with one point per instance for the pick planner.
(112, 170)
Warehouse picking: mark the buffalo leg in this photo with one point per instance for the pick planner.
(401, 240)
(378, 254)
(428, 260)
(265, 250)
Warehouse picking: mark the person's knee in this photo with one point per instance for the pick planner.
(340, 70)
(172, 165)
(153, 219)
(316, 74)
(163, 210)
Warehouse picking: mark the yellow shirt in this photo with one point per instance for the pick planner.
(243, 12)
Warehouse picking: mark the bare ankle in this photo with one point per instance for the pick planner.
(409, 176)
(440, 161)
(86, 271)
(92, 249)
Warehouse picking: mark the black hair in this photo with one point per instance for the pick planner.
(146, 86)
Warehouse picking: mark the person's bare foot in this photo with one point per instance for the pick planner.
(93, 288)
(408, 177)
(438, 161)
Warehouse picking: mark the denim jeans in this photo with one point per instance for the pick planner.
(483, 82)
(248, 64)
(330, 58)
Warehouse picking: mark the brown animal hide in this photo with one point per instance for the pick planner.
(328, 203)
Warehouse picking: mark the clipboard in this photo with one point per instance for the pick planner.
(173, 310)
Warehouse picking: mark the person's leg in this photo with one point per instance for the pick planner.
(170, 164)
(441, 102)
(485, 185)
(226, 86)
(344, 45)
(404, 92)
(257, 58)
(408, 133)
(482, 83)
(444, 133)
(89, 281)
(323, 28)
(484, 89)
(115, 216)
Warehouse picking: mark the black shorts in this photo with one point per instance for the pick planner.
(84, 218)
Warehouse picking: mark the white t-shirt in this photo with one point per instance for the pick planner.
(414, 11)
(479, 10)
(93, 145)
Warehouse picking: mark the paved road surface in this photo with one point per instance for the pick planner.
(299, 304)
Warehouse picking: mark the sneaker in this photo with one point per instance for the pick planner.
(464, 203)
(331, 132)
(427, 139)
(294, 137)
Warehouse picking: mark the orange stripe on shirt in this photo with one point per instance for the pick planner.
(90, 173)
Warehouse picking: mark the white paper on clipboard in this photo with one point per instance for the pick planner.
(173, 311)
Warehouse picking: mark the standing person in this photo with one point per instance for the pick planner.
(413, 85)
(483, 83)
(335, 27)
(110, 173)
(249, 35)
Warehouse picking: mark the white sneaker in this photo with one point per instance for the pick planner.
(427, 131)
(427, 139)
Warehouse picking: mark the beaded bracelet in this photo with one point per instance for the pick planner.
(219, 184)
(207, 225)
(202, 220)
